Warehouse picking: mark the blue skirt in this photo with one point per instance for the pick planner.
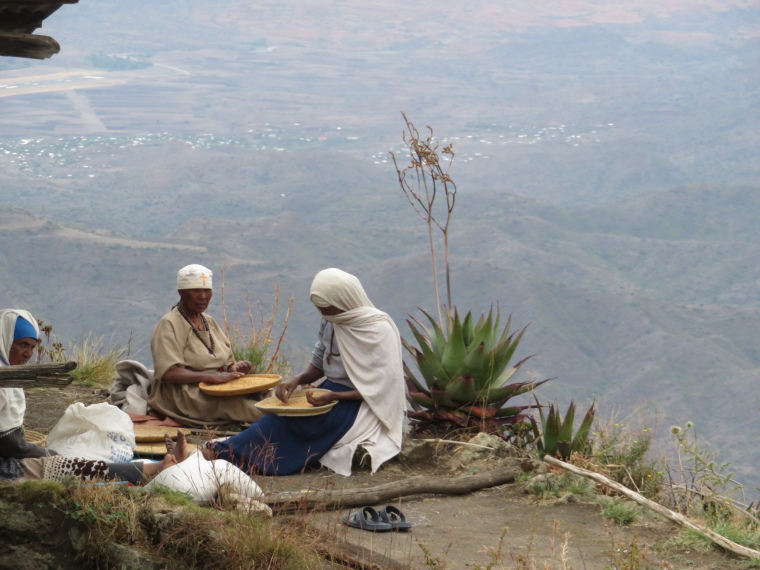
(276, 445)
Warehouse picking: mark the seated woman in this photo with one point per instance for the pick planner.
(19, 337)
(189, 348)
(359, 354)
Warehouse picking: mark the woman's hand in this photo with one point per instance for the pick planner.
(240, 366)
(321, 399)
(223, 377)
(285, 389)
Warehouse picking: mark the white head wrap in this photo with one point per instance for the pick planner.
(12, 400)
(335, 288)
(194, 277)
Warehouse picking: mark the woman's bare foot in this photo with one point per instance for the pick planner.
(179, 447)
(208, 451)
(169, 443)
(150, 470)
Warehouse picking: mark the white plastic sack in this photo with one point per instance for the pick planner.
(100, 431)
(201, 478)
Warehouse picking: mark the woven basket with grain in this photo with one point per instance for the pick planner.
(297, 404)
(247, 384)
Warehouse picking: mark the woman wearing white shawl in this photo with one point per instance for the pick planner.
(359, 355)
(19, 337)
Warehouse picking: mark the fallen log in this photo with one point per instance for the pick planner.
(659, 509)
(52, 375)
(339, 499)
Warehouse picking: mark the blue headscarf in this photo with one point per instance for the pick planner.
(24, 329)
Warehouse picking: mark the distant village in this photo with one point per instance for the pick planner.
(80, 156)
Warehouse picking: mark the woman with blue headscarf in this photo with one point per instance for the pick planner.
(19, 337)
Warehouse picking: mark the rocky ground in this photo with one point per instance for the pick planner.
(499, 527)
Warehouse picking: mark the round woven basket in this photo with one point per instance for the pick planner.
(158, 448)
(297, 404)
(248, 384)
(34, 437)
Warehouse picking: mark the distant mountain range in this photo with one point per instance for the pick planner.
(649, 301)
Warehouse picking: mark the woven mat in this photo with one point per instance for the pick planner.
(247, 384)
(296, 406)
(146, 434)
(158, 448)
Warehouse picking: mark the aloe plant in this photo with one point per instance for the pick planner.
(556, 435)
(465, 371)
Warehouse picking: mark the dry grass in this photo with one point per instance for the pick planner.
(258, 340)
(95, 362)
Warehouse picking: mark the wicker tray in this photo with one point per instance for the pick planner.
(296, 406)
(158, 449)
(34, 437)
(147, 434)
(247, 384)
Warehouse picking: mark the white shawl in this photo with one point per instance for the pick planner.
(12, 400)
(370, 346)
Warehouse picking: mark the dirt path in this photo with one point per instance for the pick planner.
(503, 527)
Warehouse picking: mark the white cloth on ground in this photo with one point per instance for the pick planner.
(130, 390)
(201, 478)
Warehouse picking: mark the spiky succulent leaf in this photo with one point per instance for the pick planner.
(435, 334)
(500, 395)
(422, 399)
(455, 351)
(499, 380)
(510, 411)
(442, 399)
(462, 390)
(566, 426)
(416, 384)
(551, 430)
(581, 437)
(482, 412)
(428, 363)
(504, 351)
(468, 329)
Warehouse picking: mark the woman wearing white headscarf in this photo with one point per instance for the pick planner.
(188, 348)
(359, 355)
(19, 337)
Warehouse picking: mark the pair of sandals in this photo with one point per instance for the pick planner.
(387, 519)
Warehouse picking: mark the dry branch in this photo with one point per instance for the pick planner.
(55, 375)
(293, 501)
(659, 509)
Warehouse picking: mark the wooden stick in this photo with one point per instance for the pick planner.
(438, 440)
(735, 505)
(659, 509)
(293, 501)
(53, 374)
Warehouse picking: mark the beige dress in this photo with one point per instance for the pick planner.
(173, 343)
